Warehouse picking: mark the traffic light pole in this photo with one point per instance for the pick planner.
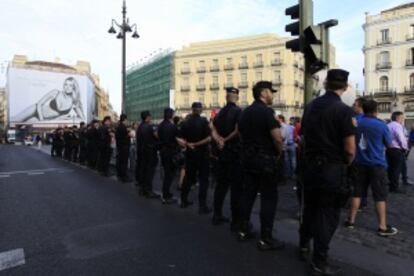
(308, 81)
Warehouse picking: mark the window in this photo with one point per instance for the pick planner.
(243, 97)
(244, 77)
(186, 64)
(412, 81)
(186, 100)
(259, 76)
(384, 84)
(412, 30)
(186, 81)
(229, 78)
(259, 58)
(276, 55)
(244, 59)
(229, 60)
(384, 57)
(201, 80)
(385, 35)
(214, 98)
(384, 107)
(411, 56)
(201, 97)
(215, 79)
(215, 62)
(276, 75)
(202, 63)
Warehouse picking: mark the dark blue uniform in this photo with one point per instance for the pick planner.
(122, 147)
(195, 129)
(105, 150)
(229, 166)
(326, 122)
(260, 161)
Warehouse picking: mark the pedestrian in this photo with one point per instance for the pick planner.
(411, 137)
(289, 148)
(39, 142)
(169, 149)
(328, 128)
(82, 143)
(92, 144)
(67, 138)
(54, 141)
(226, 136)
(59, 142)
(105, 150)
(75, 144)
(396, 153)
(373, 136)
(261, 150)
(195, 136)
(180, 161)
(123, 142)
(147, 160)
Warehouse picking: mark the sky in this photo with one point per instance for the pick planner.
(77, 29)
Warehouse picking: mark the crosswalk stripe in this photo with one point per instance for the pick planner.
(12, 258)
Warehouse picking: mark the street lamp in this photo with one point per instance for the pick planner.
(123, 28)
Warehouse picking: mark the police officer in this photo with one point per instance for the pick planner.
(75, 144)
(122, 147)
(262, 147)
(169, 149)
(58, 142)
(328, 130)
(82, 143)
(105, 150)
(226, 136)
(92, 144)
(195, 136)
(147, 158)
(67, 138)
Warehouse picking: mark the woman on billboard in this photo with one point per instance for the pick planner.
(56, 105)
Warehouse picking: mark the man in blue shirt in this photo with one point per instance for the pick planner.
(372, 137)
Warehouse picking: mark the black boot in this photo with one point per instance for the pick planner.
(268, 243)
(321, 267)
(245, 232)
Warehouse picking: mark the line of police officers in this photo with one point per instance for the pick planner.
(248, 144)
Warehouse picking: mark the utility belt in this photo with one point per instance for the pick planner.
(256, 159)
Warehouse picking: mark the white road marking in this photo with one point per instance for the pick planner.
(36, 173)
(4, 175)
(12, 258)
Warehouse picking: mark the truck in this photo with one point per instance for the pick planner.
(11, 136)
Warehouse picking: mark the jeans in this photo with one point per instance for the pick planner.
(290, 160)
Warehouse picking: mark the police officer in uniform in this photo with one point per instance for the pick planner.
(67, 138)
(105, 150)
(195, 136)
(328, 130)
(122, 146)
(226, 136)
(75, 144)
(82, 143)
(147, 158)
(58, 142)
(169, 149)
(262, 148)
(92, 144)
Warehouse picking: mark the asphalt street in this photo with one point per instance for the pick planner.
(62, 219)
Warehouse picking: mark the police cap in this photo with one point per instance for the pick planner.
(264, 85)
(145, 114)
(197, 105)
(123, 117)
(232, 90)
(337, 75)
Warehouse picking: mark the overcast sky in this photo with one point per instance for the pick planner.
(77, 29)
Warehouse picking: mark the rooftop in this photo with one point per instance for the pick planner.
(400, 7)
(50, 64)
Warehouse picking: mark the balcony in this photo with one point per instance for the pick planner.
(185, 71)
(258, 64)
(384, 107)
(229, 67)
(409, 90)
(276, 62)
(185, 88)
(384, 93)
(201, 87)
(201, 69)
(243, 84)
(409, 37)
(214, 68)
(228, 85)
(409, 107)
(409, 63)
(214, 86)
(244, 65)
(386, 41)
(383, 66)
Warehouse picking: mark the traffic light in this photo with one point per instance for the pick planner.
(316, 46)
(304, 13)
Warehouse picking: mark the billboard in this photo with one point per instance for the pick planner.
(49, 99)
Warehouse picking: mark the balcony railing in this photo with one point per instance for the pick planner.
(410, 37)
(409, 90)
(185, 88)
(228, 67)
(409, 62)
(384, 107)
(384, 93)
(243, 84)
(185, 71)
(228, 85)
(383, 66)
(214, 68)
(201, 87)
(258, 64)
(214, 86)
(276, 62)
(384, 41)
(201, 69)
(409, 108)
(244, 65)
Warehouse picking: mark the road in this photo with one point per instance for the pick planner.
(62, 219)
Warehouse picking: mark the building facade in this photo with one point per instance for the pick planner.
(389, 60)
(3, 109)
(149, 87)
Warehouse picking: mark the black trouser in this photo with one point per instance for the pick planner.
(122, 161)
(68, 152)
(93, 153)
(321, 214)
(266, 184)
(170, 170)
(104, 159)
(53, 149)
(196, 164)
(75, 153)
(148, 161)
(395, 159)
(59, 149)
(229, 174)
(82, 152)
(404, 172)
